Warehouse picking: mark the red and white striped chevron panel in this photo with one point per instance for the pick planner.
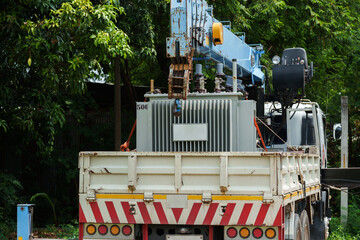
(237, 212)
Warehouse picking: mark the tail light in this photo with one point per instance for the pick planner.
(115, 230)
(103, 229)
(270, 233)
(91, 229)
(127, 230)
(250, 232)
(231, 232)
(244, 232)
(257, 233)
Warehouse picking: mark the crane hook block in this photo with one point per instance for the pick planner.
(217, 33)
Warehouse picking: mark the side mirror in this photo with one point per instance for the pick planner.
(337, 131)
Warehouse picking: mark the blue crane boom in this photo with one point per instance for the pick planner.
(194, 30)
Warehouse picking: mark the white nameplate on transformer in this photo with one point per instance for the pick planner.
(190, 132)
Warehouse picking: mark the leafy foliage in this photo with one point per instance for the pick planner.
(63, 231)
(9, 190)
(50, 54)
(48, 49)
(329, 31)
(144, 23)
(339, 233)
(352, 228)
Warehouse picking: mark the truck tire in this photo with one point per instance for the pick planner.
(297, 227)
(305, 226)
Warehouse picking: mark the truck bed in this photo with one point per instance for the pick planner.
(193, 188)
(241, 173)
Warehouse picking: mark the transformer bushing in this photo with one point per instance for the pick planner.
(219, 78)
(198, 71)
(199, 79)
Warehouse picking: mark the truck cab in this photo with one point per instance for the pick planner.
(303, 128)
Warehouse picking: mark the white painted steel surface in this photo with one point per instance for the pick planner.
(250, 173)
(245, 210)
(229, 123)
(295, 167)
(190, 132)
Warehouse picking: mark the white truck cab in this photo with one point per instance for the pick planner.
(303, 128)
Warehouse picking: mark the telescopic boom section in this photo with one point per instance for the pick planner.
(194, 30)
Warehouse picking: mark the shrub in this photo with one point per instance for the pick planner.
(9, 189)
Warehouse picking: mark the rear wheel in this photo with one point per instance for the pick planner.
(305, 226)
(297, 227)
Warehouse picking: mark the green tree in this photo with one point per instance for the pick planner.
(329, 31)
(48, 55)
(147, 25)
(147, 28)
(48, 50)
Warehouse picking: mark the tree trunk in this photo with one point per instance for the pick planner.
(125, 75)
(117, 104)
(352, 162)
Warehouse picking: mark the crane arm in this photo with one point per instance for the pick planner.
(194, 30)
